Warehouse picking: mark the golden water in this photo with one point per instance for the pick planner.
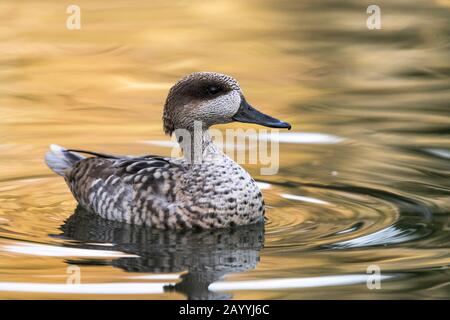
(370, 187)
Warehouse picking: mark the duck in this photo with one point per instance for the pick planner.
(203, 189)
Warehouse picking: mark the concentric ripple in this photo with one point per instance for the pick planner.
(307, 226)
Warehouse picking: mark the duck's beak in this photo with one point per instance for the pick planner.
(248, 114)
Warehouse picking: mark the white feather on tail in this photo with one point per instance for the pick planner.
(59, 159)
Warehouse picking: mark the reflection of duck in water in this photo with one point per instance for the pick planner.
(205, 189)
(206, 255)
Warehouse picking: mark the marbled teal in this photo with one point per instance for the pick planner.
(204, 189)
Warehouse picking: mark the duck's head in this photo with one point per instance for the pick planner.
(210, 98)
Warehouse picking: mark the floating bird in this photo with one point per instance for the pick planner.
(203, 189)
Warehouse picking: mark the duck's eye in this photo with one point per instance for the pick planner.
(212, 90)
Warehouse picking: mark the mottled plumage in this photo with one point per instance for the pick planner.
(169, 193)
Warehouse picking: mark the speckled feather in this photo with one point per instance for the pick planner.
(167, 193)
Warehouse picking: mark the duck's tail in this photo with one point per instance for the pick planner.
(59, 159)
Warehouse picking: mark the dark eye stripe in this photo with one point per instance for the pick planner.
(213, 90)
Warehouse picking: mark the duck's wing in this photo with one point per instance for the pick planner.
(60, 159)
(107, 171)
(95, 154)
(125, 188)
(111, 156)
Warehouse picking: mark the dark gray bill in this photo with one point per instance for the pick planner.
(248, 114)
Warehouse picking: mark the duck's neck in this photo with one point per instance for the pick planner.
(197, 145)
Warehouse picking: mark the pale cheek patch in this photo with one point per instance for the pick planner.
(221, 109)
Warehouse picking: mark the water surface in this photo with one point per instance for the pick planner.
(364, 174)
